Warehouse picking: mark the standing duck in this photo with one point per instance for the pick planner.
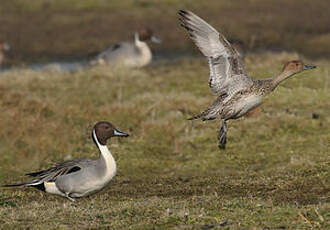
(237, 92)
(129, 54)
(80, 177)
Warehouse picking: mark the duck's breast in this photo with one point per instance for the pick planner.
(141, 56)
(246, 104)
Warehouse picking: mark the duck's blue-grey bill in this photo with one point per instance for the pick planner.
(156, 40)
(306, 67)
(120, 134)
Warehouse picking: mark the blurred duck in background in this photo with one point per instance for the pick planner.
(4, 47)
(135, 54)
(237, 92)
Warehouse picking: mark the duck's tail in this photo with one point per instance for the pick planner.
(13, 185)
(35, 184)
(208, 114)
(199, 116)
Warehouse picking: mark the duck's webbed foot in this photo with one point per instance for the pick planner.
(222, 136)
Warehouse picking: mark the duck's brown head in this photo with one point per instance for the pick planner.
(289, 69)
(146, 34)
(103, 130)
(293, 67)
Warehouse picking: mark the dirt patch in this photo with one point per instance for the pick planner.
(280, 189)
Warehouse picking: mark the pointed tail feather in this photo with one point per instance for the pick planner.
(38, 185)
(33, 183)
(13, 185)
(196, 117)
(35, 174)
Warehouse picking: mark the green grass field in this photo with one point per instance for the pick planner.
(274, 173)
(171, 175)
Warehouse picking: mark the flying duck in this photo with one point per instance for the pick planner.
(237, 93)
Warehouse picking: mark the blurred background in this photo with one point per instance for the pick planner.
(48, 30)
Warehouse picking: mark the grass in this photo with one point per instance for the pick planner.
(72, 29)
(171, 175)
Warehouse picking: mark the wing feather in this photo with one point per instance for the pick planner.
(226, 66)
(64, 168)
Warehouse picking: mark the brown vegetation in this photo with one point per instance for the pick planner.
(70, 29)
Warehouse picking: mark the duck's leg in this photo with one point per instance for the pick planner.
(70, 198)
(222, 135)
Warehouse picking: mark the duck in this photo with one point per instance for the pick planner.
(237, 93)
(79, 177)
(135, 54)
(4, 47)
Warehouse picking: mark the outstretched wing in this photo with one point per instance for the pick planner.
(64, 168)
(227, 72)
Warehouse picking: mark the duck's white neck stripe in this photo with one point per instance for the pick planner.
(136, 38)
(95, 139)
(103, 148)
(107, 156)
(138, 42)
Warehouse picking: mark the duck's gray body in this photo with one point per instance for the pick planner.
(93, 175)
(76, 185)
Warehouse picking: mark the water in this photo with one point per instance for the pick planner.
(57, 66)
(73, 66)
